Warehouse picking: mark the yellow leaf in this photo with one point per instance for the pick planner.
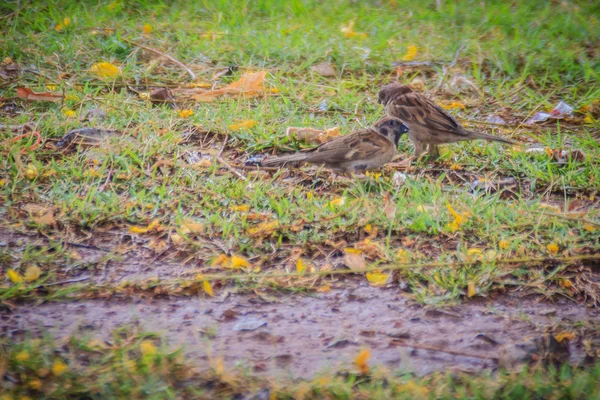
(147, 348)
(2, 182)
(208, 288)
(186, 113)
(340, 201)
(552, 248)
(31, 172)
(377, 278)
(248, 124)
(361, 361)
(105, 70)
(453, 105)
(565, 283)
(154, 225)
(474, 254)
(264, 229)
(190, 226)
(59, 27)
(351, 250)
(14, 276)
(66, 22)
(300, 267)
(456, 167)
(504, 244)
(459, 219)
(411, 53)
(147, 29)
(369, 228)
(59, 368)
(177, 239)
(490, 255)
(348, 31)
(324, 289)
(470, 289)
(221, 260)
(559, 337)
(32, 273)
(589, 119)
(587, 227)
(22, 356)
(403, 255)
(238, 262)
(35, 384)
(242, 208)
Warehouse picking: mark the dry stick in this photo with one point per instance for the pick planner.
(168, 57)
(81, 279)
(567, 217)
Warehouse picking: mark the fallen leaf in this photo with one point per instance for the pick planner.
(565, 283)
(324, 69)
(238, 262)
(559, 337)
(377, 278)
(147, 348)
(59, 368)
(312, 135)
(552, 248)
(154, 225)
(264, 229)
(470, 289)
(208, 288)
(220, 260)
(186, 113)
(353, 260)
(147, 29)
(348, 31)
(504, 244)
(300, 267)
(32, 273)
(105, 70)
(249, 85)
(411, 53)
(248, 124)
(14, 276)
(31, 172)
(241, 208)
(337, 202)
(453, 105)
(67, 112)
(361, 361)
(28, 94)
(324, 289)
(190, 226)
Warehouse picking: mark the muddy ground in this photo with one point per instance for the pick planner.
(300, 335)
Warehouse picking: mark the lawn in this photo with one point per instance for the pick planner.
(135, 253)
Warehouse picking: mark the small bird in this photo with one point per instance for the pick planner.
(428, 123)
(357, 152)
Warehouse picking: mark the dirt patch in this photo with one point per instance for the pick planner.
(300, 335)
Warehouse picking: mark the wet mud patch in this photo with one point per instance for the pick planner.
(298, 336)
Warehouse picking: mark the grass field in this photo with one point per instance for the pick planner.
(160, 204)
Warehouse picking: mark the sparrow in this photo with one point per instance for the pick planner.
(428, 123)
(359, 151)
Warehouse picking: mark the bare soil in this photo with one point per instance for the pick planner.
(297, 335)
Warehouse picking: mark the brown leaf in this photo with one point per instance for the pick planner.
(249, 85)
(324, 69)
(28, 94)
(354, 261)
(312, 135)
(161, 96)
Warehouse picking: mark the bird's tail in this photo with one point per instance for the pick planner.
(491, 137)
(278, 161)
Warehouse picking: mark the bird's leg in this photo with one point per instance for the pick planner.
(433, 152)
(418, 147)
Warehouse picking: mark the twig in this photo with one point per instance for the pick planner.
(445, 68)
(81, 279)
(229, 167)
(567, 217)
(168, 57)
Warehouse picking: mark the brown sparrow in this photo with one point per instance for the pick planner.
(359, 151)
(428, 123)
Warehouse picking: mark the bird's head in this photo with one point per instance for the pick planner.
(391, 128)
(391, 91)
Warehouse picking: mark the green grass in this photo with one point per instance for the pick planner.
(137, 365)
(520, 57)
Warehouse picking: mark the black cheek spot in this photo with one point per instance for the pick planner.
(360, 167)
(384, 131)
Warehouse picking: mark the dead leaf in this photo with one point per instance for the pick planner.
(361, 361)
(377, 278)
(249, 85)
(312, 135)
(411, 53)
(161, 96)
(30, 95)
(353, 259)
(248, 124)
(470, 289)
(190, 226)
(105, 70)
(324, 69)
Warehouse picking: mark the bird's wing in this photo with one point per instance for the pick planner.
(356, 146)
(413, 108)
